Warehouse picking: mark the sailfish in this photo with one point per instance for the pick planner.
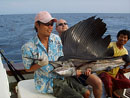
(86, 46)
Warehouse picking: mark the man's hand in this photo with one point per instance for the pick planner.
(88, 71)
(44, 60)
(78, 73)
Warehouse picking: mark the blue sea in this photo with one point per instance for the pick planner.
(15, 30)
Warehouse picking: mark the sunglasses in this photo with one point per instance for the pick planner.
(61, 24)
(48, 24)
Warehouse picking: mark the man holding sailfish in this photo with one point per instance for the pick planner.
(82, 45)
(44, 47)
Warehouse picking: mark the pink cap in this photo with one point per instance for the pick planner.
(44, 17)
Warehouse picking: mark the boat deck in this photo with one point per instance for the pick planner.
(12, 89)
(20, 68)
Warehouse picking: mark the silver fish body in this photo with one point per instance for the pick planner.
(68, 68)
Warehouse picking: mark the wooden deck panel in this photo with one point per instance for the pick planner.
(17, 66)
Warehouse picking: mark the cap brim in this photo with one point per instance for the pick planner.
(54, 20)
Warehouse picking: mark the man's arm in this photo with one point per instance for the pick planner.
(29, 60)
(41, 63)
(33, 68)
(127, 64)
(124, 70)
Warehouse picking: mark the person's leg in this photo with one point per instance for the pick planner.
(108, 83)
(115, 95)
(86, 94)
(61, 89)
(78, 87)
(121, 82)
(69, 88)
(96, 83)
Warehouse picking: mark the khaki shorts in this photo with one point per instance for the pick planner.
(68, 88)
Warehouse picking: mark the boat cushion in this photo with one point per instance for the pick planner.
(127, 75)
(4, 84)
(26, 89)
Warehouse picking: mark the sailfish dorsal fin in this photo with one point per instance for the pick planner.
(84, 40)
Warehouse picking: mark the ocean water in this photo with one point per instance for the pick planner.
(15, 30)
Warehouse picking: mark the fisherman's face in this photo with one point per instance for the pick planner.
(45, 29)
(61, 26)
(122, 39)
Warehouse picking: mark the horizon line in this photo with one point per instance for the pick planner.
(70, 13)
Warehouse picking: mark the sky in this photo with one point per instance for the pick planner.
(64, 6)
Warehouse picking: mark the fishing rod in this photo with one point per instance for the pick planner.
(15, 72)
